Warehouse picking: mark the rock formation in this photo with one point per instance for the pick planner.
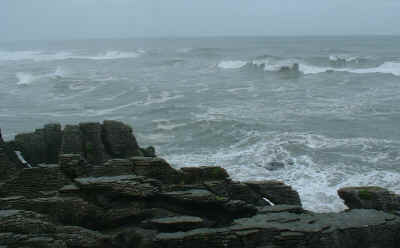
(8, 165)
(96, 142)
(108, 194)
(370, 198)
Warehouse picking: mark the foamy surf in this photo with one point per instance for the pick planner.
(386, 68)
(294, 65)
(27, 78)
(40, 56)
(231, 64)
(317, 182)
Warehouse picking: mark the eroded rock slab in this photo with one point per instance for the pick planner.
(370, 198)
(344, 230)
(119, 140)
(127, 185)
(29, 229)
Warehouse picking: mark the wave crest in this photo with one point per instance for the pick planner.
(39, 56)
(26, 78)
(296, 65)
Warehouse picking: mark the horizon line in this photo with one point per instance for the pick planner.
(202, 37)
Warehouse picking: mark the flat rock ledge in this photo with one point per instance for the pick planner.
(91, 185)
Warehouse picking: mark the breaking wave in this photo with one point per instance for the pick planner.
(386, 68)
(295, 65)
(39, 56)
(232, 64)
(265, 64)
(26, 78)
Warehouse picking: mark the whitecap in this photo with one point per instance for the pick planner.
(184, 50)
(231, 64)
(167, 125)
(27, 78)
(165, 96)
(112, 55)
(39, 56)
(316, 183)
(343, 57)
(36, 56)
(386, 68)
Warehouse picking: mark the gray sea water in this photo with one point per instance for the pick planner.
(239, 103)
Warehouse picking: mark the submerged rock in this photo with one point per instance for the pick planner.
(275, 166)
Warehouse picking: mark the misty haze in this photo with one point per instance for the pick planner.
(302, 92)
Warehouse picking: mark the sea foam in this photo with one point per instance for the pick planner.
(27, 78)
(292, 65)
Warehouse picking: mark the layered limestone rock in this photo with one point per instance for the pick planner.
(7, 167)
(35, 182)
(109, 195)
(29, 229)
(119, 140)
(357, 228)
(96, 142)
(72, 141)
(370, 198)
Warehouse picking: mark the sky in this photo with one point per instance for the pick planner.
(84, 19)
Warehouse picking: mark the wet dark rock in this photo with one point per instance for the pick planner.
(96, 142)
(32, 146)
(275, 191)
(72, 142)
(281, 208)
(113, 167)
(241, 191)
(65, 210)
(340, 230)
(203, 203)
(41, 146)
(143, 202)
(176, 224)
(275, 166)
(370, 198)
(149, 152)
(126, 185)
(7, 167)
(52, 138)
(134, 237)
(35, 182)
(156, 168)
(196, 175)
(28, 229)
(93, 147)
(74, 165)
(119, 140)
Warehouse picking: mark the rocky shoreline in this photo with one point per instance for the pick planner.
(91, 185)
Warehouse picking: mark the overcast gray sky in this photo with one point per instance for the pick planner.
(81, 19)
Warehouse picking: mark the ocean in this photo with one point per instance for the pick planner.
(328, 108)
